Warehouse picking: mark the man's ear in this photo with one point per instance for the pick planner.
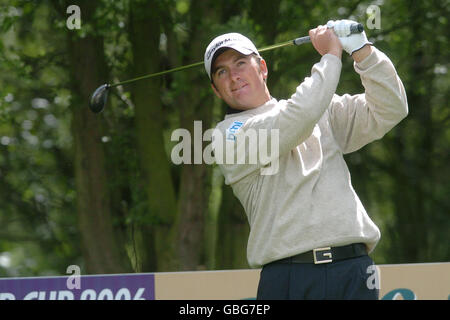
(216, 91)
(263, 68)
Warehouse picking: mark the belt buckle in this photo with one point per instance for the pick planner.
(320, 253)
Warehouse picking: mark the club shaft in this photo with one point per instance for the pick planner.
(158, 74)
(356, 28)
(297, 41)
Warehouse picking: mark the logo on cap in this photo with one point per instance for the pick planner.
(216, 46)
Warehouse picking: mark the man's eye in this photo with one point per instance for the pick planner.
(221, 72)
(240, 63)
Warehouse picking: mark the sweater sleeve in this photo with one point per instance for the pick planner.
(293, 120)
(357, 120)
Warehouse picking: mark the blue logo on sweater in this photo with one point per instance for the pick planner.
(233, 129)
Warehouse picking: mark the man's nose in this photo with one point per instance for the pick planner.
(235, 74)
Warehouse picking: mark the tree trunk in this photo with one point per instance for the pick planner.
(195, 104)
(266, 14)
(149, 118)
(233, 234)
(101, 251)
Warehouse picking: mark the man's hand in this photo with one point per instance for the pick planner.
(325, 41)
(350, 42)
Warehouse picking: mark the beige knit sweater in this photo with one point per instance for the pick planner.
(308, 200)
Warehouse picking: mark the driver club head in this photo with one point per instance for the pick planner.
(98, 99)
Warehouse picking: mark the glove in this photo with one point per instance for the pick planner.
(350, 42)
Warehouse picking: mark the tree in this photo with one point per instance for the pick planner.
(100, 241)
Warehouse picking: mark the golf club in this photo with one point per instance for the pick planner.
(100, 96)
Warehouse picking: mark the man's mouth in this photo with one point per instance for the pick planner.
(239, 88)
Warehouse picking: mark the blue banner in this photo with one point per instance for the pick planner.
(101, 287)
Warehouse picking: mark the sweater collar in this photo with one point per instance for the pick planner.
(231, 111)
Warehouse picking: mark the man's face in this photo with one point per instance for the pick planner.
(240, 80)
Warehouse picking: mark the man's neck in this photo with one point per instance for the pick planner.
(231, 110)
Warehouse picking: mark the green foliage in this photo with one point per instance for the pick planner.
(401, 179)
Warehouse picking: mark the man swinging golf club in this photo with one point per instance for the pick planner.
(308, 229)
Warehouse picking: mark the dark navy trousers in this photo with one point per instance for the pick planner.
(340, 280)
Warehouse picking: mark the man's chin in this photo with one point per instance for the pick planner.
(240, 107)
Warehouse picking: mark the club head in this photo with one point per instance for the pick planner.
(98, 99)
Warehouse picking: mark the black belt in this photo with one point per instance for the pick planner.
(327, 254)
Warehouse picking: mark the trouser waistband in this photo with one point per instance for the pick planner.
(327, 254)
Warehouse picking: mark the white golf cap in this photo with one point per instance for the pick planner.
(234, 41)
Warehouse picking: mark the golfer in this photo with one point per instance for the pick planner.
(309, 232)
